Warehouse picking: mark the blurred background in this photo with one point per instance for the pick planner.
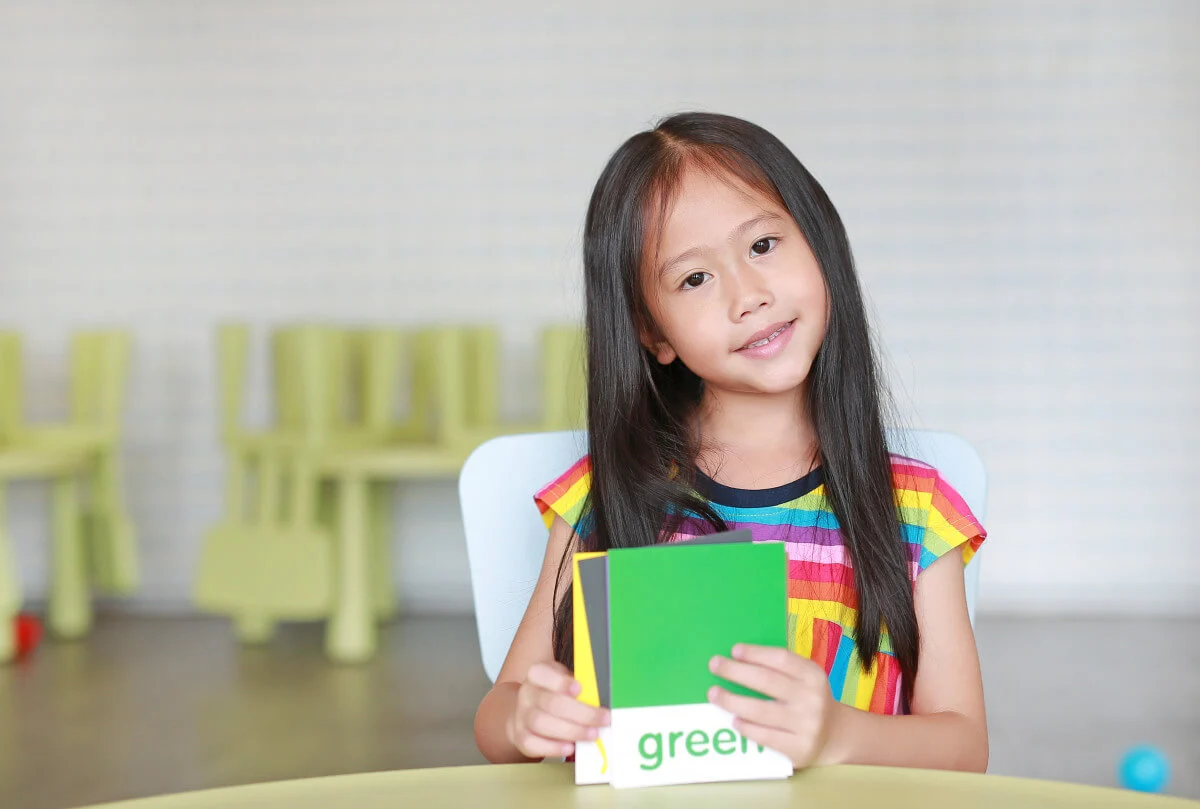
(1021, 186)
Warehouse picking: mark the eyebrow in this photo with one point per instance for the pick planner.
(734, 235)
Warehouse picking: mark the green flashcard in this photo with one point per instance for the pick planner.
(672, 607)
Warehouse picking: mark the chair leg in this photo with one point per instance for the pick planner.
(115, 563)
(327, 494)
(253, 628)
(70, 609)
(383, 589)
(8, 637)
(10, 592)
(255, 625)
(350, 633)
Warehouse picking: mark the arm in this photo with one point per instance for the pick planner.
(531, 711)
(491, 719)
(947, 728)
(948, 725)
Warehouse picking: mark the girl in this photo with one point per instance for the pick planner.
(732, 383)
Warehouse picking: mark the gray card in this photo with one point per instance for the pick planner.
(593, 578)
(741, 535)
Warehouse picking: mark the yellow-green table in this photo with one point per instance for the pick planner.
(529, 786)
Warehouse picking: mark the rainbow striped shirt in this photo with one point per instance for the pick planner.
(822, 603)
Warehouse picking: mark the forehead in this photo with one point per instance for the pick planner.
(705, 206)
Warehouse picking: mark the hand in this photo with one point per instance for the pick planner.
(798, 717)
(548, 719)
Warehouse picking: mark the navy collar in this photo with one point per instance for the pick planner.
(757, 498)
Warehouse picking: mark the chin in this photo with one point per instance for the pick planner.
(779, 390)
(785, 381)
(770, 382)
(768, 387)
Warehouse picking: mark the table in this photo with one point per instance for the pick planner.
(522, 786)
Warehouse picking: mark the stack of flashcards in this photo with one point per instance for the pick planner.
(647, 622)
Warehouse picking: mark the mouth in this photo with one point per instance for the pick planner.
(767, 335)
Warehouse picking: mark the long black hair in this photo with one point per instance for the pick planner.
(641, 441)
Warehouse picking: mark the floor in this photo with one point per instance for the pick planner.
(152, 705)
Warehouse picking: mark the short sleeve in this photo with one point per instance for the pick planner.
(566, 495)
(951, 524)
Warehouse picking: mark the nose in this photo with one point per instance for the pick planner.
(750, 294)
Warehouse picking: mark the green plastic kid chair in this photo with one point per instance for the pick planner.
(93, 545)
(100, 361)
(271, 556)
(263, 562)
(360, 370)
(99, 370)
(453, 406)
(428, 443)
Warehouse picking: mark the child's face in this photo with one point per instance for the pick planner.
(732, 270)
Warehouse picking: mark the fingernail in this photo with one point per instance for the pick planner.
(592, 733)
(607, 718)
(568, 749)
(712, 694)
(737, 651)
(713, 663)
(576, 687)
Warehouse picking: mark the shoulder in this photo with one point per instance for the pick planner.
(566, 495)
(936, 517)
(912, 475)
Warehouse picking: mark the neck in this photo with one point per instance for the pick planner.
(754, 440)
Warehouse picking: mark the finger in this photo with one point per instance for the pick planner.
(549, 726)
(767, 713)
(572, 710)
(553, 677)
(772, 657)
(766, 681)
(778, 740)
(536, 746)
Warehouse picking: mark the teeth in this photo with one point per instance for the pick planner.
(768, 338)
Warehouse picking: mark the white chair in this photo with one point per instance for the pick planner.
(506, 538)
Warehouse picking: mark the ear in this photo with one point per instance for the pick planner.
(664, 353)
(659, 347)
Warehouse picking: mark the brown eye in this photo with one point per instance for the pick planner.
(694, 280)
(762, 246)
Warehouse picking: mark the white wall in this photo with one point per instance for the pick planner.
(1021, 183)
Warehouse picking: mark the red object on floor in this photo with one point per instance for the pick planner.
(27, 630)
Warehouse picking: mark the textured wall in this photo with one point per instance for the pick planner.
(1020, 182)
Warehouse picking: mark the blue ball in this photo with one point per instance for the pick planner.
(1145, 769)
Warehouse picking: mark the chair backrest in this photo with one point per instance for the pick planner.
(309, 368)
(11, 391)
(99, 371)
(564, 377)
(506, 538)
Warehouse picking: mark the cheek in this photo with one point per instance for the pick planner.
(813, 294)
(662, 317)
(681, 317)
(823, 298)
(694, 336)
(820, 305)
